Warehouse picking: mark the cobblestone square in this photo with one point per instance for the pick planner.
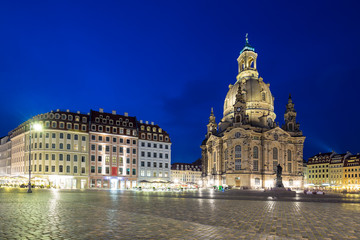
(54, 214)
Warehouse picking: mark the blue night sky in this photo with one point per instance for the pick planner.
(171, 61)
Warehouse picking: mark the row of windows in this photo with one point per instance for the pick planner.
(155, 155)
(63, 117)
(105, 121)
(61, 136)
(154, 164)
(315, 171)
(107, 159)
(60, 168)
(106, 170)
(114, 139)
(351, 175)
(351, 170)
(327, 170)
(154, 174)
(255, 166)
(148, 128)
(114, 149)
(114, 130)
(318, 166)
(155, 145)
(62, 125)
(61, 157)
(154, 137)
(53, 146)
(316, 176)
(255, 153)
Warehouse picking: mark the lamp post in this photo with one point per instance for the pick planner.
(37, 127)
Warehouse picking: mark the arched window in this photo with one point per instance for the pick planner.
(251, 63)
(238, 151)
(256, 152)
(289, 155)
(263, 96)
(275, 153)
(237, 157)
(291, 127)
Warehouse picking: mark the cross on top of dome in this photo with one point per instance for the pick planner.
(247, 47)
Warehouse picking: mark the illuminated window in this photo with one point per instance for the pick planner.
(289, 155)
(256, 165)
(275, 153)
(256, 152)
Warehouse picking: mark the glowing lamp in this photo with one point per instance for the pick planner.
(37, 127)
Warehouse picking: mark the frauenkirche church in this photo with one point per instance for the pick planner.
(245, 147)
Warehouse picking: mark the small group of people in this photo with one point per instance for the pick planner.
(314, 192)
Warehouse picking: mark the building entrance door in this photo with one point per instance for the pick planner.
(83, 182)
(113, 183)
(237, 182)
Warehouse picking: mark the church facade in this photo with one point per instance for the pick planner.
(244, 148)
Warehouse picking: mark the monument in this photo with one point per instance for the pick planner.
(279, 189)
(279, 183)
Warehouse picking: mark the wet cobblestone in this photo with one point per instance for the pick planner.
(49, 214)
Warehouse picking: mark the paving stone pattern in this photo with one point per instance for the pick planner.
(51, 214)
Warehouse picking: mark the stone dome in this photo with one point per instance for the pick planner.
(258, 97)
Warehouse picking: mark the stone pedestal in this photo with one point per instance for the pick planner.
(279, 183)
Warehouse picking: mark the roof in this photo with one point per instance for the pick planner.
(247, 46)
(186, 166)
(351, 161)
(320, 158)
(153, 129)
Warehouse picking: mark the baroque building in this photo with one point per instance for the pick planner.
(186, 174)
(59, 153)
(154, 153)
(332, 171)
(244, 148)
(78, 151)
(113, 150)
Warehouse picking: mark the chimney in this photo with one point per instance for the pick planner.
(101, 110)
(67, 110)
(141, 121)
(147, 122)
(113, 112)
(58, 110)
(126, 114)
(88, 114)
(78, 112)
(152, 123)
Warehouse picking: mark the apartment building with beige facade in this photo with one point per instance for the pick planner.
(59, 152)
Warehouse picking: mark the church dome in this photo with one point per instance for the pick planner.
(258, 97)
(257, 94)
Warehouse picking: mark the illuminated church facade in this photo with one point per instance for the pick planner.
(244, 148)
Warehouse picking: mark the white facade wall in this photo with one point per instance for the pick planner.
(155, 160)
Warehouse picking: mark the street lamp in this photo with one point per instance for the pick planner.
(37, 127)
